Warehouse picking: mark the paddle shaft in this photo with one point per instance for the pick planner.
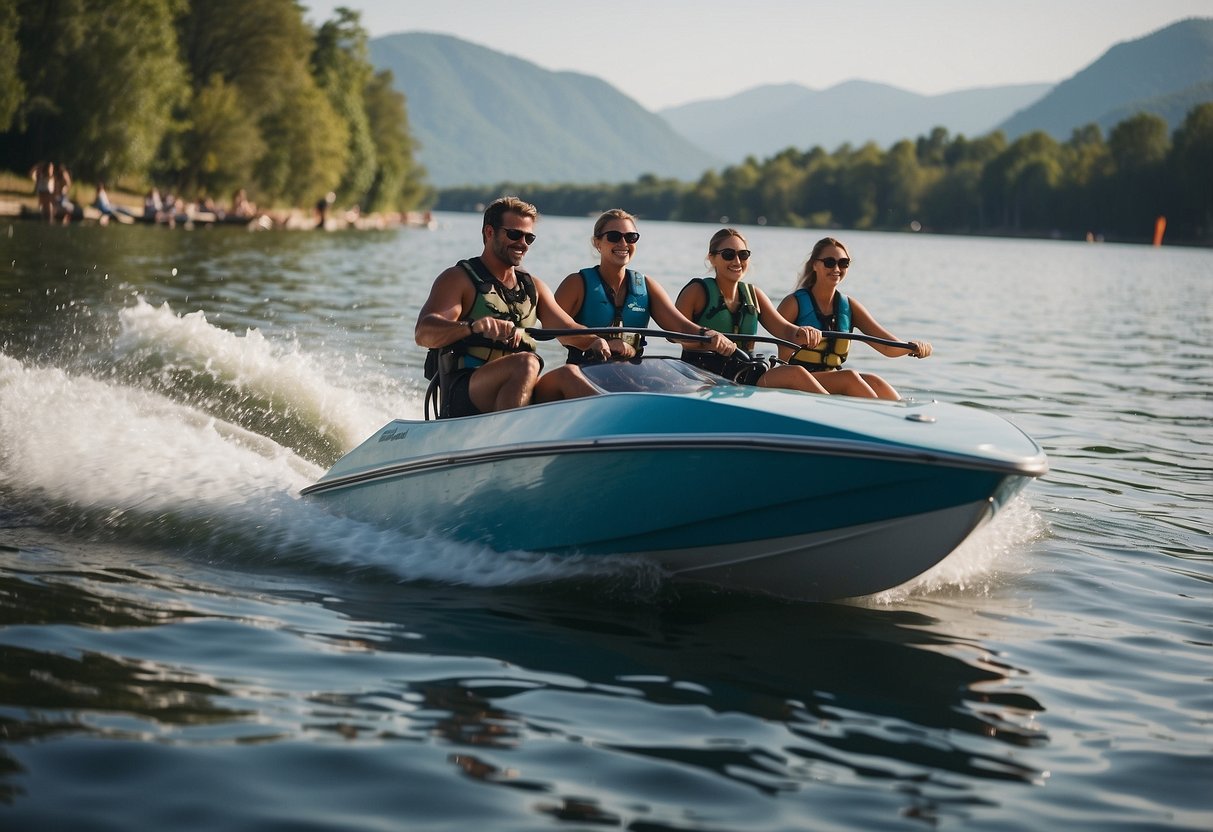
(549, 334)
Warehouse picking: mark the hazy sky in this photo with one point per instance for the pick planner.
(667, 52)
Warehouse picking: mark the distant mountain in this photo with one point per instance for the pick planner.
(482, 117)
(1166, 73)
(764, 120)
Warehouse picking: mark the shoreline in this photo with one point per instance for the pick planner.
(19, 206)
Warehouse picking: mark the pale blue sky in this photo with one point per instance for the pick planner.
(667, 52)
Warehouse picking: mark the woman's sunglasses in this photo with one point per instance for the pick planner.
(731, 253)
(843, 263)
(517, 234)
(616, 236)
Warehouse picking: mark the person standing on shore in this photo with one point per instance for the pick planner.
(63, 188)
(43, 175)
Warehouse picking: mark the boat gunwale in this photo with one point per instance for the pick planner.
(1034, 466)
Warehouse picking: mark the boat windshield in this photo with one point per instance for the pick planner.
(656, 374)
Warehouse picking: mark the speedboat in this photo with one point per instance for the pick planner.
(794, 494)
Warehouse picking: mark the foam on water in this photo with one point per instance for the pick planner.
(992, 553)
(134, 464)
(281, 374)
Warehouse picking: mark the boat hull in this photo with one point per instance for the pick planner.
(784, 493)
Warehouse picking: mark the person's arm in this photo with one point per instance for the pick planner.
(670, 317)
(570, 294)
(865, 323)
(779, 326)
(552, 315)
(439, 324)
(788, 309)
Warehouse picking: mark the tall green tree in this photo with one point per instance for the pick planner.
(903, 183)
(1139, 146)
(1191, 168)
(101, 80)
(12, 88)
(399, 181)
(258, 47)
(305, 156)
(1018, 181)
(256, 110)
(218, 145)
(1083, 191)
(859, 181)
(341, 67)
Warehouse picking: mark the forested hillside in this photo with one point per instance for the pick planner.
(202, 97)
(1112, 187)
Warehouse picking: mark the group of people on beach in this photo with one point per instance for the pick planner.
(53, 186)
(475, 319)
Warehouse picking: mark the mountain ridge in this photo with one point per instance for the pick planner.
(1157, 65)
(861, 111)
(481, 114)
(485, 117)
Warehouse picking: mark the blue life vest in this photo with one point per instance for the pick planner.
(831, 352)
(598, 309)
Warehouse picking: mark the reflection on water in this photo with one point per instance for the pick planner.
(768, 696)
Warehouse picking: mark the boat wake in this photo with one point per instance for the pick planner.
(273, 388)
(120, 463)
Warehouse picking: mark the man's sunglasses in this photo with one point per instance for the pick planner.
(517, 234)
(616, 236)
(731, 253)
(843, 263)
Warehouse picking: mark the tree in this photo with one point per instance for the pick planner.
(12, 89)
(1139, 143)
(737, 193)
(700, 203)
(260, 48)
(1019, 181)
(859, 186)
(219, 146)
(342, 70)
(779, 186)
(1139, 146)
(399, 182)
(903, 183)
(1191, 152)
(101, 81)
(304, 156)
(932, 149)
(1086, 168)
(256, 109)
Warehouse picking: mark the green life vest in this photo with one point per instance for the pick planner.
(494, 300)
(716, 314)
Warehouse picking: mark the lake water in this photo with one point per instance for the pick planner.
(185, 644)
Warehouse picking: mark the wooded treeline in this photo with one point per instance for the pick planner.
(1114, 188)
(203, 97)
